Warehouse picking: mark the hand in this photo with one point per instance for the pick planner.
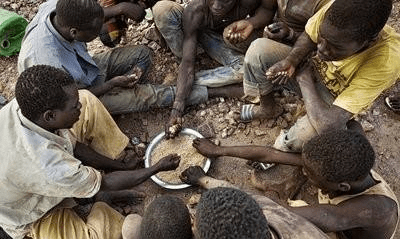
(206, 147)
(132, 10)
(192, 175)
(130, 161)
(238, 31)
(169, 162)
(174, 125)
(280, 72)
(277, 31)
(128, 81)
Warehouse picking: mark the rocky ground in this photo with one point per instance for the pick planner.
(215, 120)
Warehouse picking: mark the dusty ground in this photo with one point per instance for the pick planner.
(382, 125)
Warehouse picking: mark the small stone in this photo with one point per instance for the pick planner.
(376, 112)
(255, 123)
(230, 131)
(260, 132)
(241, 126)
(270, 123)
(203, 113)
(367, 126)
(145, 122)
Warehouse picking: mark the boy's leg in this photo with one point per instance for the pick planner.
(97, 128)
(60, 223)
(141, 97)
(232, 60)
(261, 55)
(168, 19)
(102, 222)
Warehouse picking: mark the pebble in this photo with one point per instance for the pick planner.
(367, 126)
(260, 132)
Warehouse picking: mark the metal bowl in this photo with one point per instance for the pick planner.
(153, 144)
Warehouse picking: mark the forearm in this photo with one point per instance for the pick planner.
(128, 9)
(321, 115)
(100, 90)
(264, 14)
(261, 154)
(302, 47)
(120, 180)
(184, 85)
(91, 158)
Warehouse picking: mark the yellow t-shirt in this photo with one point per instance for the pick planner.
(358, 80)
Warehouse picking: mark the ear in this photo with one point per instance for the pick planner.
(344, 187)
(49, 116)
(73, 31)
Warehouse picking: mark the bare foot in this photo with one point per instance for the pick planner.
(267, 113)
(393, 102)
(130, 160)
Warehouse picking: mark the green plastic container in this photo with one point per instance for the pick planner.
(12, 30)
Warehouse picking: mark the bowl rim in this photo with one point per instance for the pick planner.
(153, 144)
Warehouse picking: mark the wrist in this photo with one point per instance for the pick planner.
(291, 35)
(178, 106)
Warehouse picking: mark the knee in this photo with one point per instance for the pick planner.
(162, 10)
(255, 50)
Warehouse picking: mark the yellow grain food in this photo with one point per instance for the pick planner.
(181, 145)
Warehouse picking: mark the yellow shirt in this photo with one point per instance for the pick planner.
(358, 80)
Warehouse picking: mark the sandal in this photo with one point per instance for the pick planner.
(246, 114)
(389, 104)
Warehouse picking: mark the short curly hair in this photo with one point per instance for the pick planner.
(166, 217)
(78, 13)
(228, 213)
(339, 156)
(40, 88)
(362, 20)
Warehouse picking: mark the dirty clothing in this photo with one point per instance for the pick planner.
(381, 188)
(358, 80)
(295, 14)
(353, 83)
(61, 223)
(42, 44)
(168, 19)
(39, 170)
(285, 223)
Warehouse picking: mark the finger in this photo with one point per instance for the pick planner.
(277, 79)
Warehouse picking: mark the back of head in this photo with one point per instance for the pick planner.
(166, 217)
(230, 213)
(339, 156)
(79, 14)
(40, 88)
(361, 19)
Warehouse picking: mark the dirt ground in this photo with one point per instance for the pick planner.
(214, 119)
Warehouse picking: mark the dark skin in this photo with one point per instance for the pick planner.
(87, 35)
(54, 119)
(194, 19)
(332, 45)
(367, 216)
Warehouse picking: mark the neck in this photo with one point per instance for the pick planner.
(64, 31)
(360, 186)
